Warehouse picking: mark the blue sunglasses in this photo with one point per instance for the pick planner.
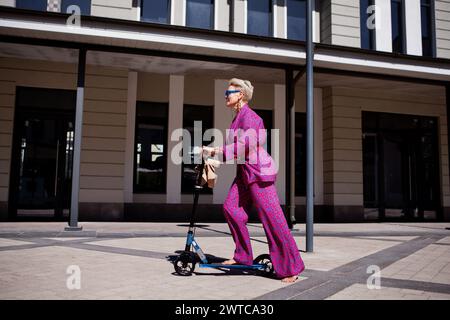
(228, 92)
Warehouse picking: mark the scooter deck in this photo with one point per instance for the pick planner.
(232, 266)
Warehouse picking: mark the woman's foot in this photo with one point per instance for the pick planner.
(289, 279)
(229, 262)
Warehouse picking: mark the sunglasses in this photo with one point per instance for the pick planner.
(228, 92)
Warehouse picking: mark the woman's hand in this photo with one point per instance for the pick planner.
(209, 151)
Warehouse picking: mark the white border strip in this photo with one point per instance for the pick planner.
(160, 39)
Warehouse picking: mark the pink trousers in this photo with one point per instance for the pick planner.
(283, 250)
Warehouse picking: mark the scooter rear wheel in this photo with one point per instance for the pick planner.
(185, 264)
(265, 260)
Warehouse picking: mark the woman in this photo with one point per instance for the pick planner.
(254, 184)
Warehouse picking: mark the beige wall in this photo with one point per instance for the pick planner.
(153, 87)
(17, 72)
(199, 90)
(103, 142)
(343, 175)
(104, 133)
(118, 9)
(442, 13)
(325, 21)
(340, 23)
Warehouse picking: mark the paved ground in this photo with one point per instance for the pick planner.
(134, 261)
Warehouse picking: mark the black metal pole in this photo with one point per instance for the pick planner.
(309, 130)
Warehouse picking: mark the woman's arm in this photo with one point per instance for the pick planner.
(245, 142)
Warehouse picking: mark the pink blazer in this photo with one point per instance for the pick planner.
(245, 142)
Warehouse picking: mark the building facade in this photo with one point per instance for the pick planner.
(381, 103)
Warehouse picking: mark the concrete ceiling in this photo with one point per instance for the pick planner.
(163, 65)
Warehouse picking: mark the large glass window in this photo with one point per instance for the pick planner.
(367, 25)
(259, 18)
(398, 22)
(427, 27)
(204, 115)
(84, 5)
(296, 19)
(40, 5)
(200, 14)
(155, 11)
(266, 116)
(151, 147)
(300, 154)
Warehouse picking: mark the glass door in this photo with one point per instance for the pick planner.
(42, 154)
(44, 167)
(400, 167)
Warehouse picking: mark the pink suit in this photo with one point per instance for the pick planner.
(254, 184)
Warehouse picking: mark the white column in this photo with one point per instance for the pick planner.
(279, 115)
(8, 3)
(318, 147)
(279, 9)
(222, 121)
(137, 13)
(413, 29)
(240, 16)
(178, 12)
(176, 97)
(221, 15)
(130, 135)
(383, 33)
(316, 22)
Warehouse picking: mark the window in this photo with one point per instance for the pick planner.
(191, 113)
(427, 28)
(259, 19)
(397, 19)
(300, 154)
(155, 11)
(367, 26)
(151, 147)
(266, 116)
(200, 14)
(84, 5)
(296, 19)
(40, 5)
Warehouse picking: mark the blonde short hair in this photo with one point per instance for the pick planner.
(245, 85)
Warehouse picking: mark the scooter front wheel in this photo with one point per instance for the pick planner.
(185, 264)
(265, 260)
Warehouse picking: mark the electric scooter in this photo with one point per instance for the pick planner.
(186, 261)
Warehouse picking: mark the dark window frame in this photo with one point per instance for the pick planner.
(267, 114)
(401, 25)
(432, 28)
(287, 21)
(136, 189)
(206, 189)
(213, 4)
(143, 19)
(30, 4)
(64, 5)
(271, 27)
(371, 34)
